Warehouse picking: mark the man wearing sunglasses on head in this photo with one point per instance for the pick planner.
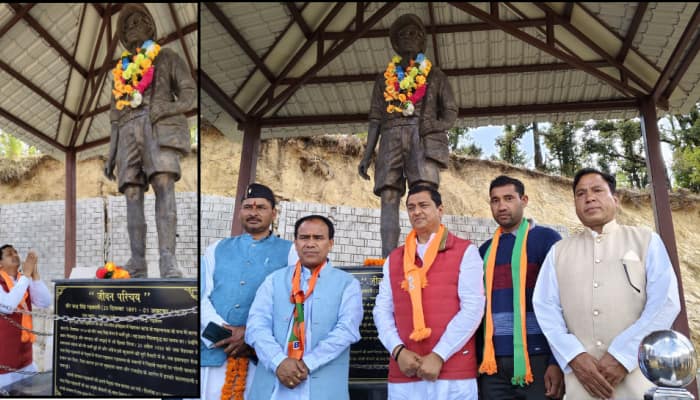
(602, 290)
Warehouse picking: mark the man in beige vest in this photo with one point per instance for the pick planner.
(602, 290)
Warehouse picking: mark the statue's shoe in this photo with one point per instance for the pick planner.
(168, 267)
(137, 267)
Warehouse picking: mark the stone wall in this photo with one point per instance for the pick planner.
(117, 245)
(357, 234)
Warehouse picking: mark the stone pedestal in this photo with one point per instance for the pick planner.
(369, 360)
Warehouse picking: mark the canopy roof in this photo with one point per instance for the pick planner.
(55, 63)
(309, 68)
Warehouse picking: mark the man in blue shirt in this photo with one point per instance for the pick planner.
(517, 362)
(302, 322)
(231, 271)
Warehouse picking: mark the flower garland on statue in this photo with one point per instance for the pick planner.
(133, 74)
(234, 383)
(406, 87)
(111, 271)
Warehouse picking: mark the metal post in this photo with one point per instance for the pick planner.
(70, 214)
(662, 206)
(246, 172)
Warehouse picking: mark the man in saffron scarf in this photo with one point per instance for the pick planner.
(147, 139)
(20, 291)
(429, 305)
(412, 108)
(517, 362)
(600, 292)
(232, 269)
(303, 320)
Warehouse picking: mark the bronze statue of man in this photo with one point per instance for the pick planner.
(149, 134)
(412, 109)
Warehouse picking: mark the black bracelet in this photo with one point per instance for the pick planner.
(396, 357)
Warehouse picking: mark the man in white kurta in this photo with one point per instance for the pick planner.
(600, 292)
(304, 346)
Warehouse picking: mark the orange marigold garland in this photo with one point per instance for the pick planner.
(405, 88)
(374, 262)
(234, 383)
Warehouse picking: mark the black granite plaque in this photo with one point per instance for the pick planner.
(138, 358)
(369, 360)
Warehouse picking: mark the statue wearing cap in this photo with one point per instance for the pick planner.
(412, 108)
(152, 90)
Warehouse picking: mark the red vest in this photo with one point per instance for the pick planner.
(440, 304)
(13, 353)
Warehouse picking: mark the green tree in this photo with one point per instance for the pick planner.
(509, 145)
(560, 140)
(13, 148)
(461, 143)
(618, 146)
(686, 168)
(685, 143)
(539, 161)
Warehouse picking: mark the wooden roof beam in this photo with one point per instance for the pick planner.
(433, 34)
(269, 93)
(181, 36)
(52, 42)
(299, 19)
(240, 40)
(32, 130)
(682, 68)
(600, 105)
(632, 31)
(218, 95)
(439, 29)
(102, 75)
(34, 88)
(15, 19)
(690, 31)
(629, 37)
(165, 39)
(269, 50)
(70, 72)
(593, 45)
(506, 69)
(106, 20)
(533, 41)
(101, 9)
(330, 55)
(594, 16)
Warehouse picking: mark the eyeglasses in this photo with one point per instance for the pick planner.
(629, 280)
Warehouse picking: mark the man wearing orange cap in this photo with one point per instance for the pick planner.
(20, 290)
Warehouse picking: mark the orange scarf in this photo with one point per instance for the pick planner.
(27, 336)
(295, 344)
(416, 278)
(522, 372)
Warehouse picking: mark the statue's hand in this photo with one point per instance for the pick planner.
(363, 167)
(156, 112)
(109, 169)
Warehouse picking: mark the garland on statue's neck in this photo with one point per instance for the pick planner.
(406, 88)
(133, 74)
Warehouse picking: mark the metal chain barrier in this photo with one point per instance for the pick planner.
(97, 319)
